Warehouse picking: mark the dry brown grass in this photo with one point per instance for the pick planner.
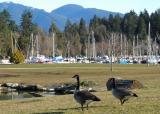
(148, 101)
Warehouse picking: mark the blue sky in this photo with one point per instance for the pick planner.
(122, 6)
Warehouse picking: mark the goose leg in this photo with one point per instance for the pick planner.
(124, 100)
(121, 101)
(87, 106)
(82, 107)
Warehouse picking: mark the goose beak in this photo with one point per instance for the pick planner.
(75, 76)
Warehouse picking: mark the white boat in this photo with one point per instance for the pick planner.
(5, 61)
(152, 60)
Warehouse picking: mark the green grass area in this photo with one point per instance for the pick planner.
(148, 101)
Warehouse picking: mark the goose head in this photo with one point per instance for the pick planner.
(109, 83)
(113, 82)
(78, 82)
(76, 76)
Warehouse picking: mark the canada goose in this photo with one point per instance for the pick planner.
(83, 97)
(121, 94)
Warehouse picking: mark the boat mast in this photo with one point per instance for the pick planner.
(12, 42)
(111, 53)
(149, 44)
(37, 45)
(133, 47)
(88, 46)
(94, 47)
(32, 49)
(53, 54)
(137, 47)
(121, 46)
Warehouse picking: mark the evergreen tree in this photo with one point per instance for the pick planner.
(83, 33)
(26, 30)
(5, 33)
(130, 24)
(58, 37)
(141, 27)
(116, 24)
(100, 33)
(53, 28)
(13, 27)
(95, 22)
(155, 23)
(146, 17)
(110, 23)
(72, 39)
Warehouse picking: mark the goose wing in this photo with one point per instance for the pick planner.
(86, 95)
(122, 93)
(128, 93)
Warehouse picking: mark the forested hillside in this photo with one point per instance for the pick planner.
(126, 33)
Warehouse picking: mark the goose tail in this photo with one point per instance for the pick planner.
(96, 99)
(135, 95)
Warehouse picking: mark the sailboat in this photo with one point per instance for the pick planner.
(151, 59)
(32, 57)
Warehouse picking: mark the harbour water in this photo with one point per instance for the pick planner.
(23, 95)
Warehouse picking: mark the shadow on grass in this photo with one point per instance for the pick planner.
(50, 113)
(59, 110)
(79, 108)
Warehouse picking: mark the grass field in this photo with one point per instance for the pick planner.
(148, 101)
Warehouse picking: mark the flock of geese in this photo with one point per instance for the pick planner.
(84, 97)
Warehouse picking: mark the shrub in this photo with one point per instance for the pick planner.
(87, 83)
(17, 57)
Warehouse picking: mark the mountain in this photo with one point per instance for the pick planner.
(76, 12)
(59, 15)
(40, 17)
